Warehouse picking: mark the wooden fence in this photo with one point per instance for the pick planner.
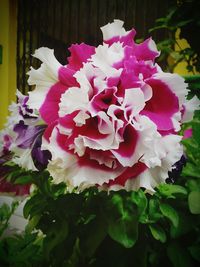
(59, 23)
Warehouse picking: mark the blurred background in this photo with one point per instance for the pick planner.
(27, 25)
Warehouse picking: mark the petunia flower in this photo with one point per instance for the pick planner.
(112, 115)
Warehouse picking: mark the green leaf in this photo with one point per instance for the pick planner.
(92, 235)
(117, 202)
(170, 213)
(195, 252)
(191, 170)
(32, 223)
(168, 190)
(196, 128)
(185, 225)
(158, 233)
(122, 219)
(6, 212)
(35, 205)
(154, 210)
(124, 230)
(183, 22)
(24, 180)
(55, 236)
(178, 255)
(194, 202)
(193, 184)
(140, 199)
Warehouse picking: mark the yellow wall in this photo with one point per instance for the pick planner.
(8, 36)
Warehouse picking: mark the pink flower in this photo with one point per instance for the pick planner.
(112, 113)
(187, 133)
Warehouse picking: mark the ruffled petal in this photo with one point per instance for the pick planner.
(80, 53)
(163, 104)
(146, 50)
(50, 106)
(114, 32)
(189, 107)
(44, 77)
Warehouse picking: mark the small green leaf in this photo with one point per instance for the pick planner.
(194, 202)
(35, 205)
(183, 22)
(196, 126)
(179, 256)
(170, 213)
(56, 235)
(154, 210)
(124, 231)
(195, 252)
(92, 235)
(158, 233)
(193, 184)
(140, 199)
(185, 225)
(24, 180)
(32, 223)
(191, 170)
(117, 201)
(168, 190)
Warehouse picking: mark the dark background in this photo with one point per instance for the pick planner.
(59, 23)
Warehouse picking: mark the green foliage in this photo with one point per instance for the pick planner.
(170, 213)
(158, 233)
(6, 212)
(183, 15)
(194, 202)
(21, 250)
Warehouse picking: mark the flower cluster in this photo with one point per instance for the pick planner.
(109, 118)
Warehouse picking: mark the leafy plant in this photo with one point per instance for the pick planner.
(182, 15)
(6, 212)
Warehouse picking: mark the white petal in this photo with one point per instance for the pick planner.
(90, 176)
(133, 101)
(43, 78)
(190, 106)
(176, 118)
(24, 159)
(152, 45)
(73, 99)
(46, 55)
(80, 118)
(106, 56)
(113, 29)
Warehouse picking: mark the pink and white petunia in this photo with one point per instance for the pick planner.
(112, 115)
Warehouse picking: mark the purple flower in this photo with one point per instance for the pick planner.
(175, 173)
(30, 137)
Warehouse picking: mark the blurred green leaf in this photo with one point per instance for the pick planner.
(186, 224)
(158, 233)
(28, 179)
(170, 213)
(195, 252)
(154, 210)
(124, 230)
(179, 256)
(140, 199)
(194, 202)
(191, 170)
(168, 190)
